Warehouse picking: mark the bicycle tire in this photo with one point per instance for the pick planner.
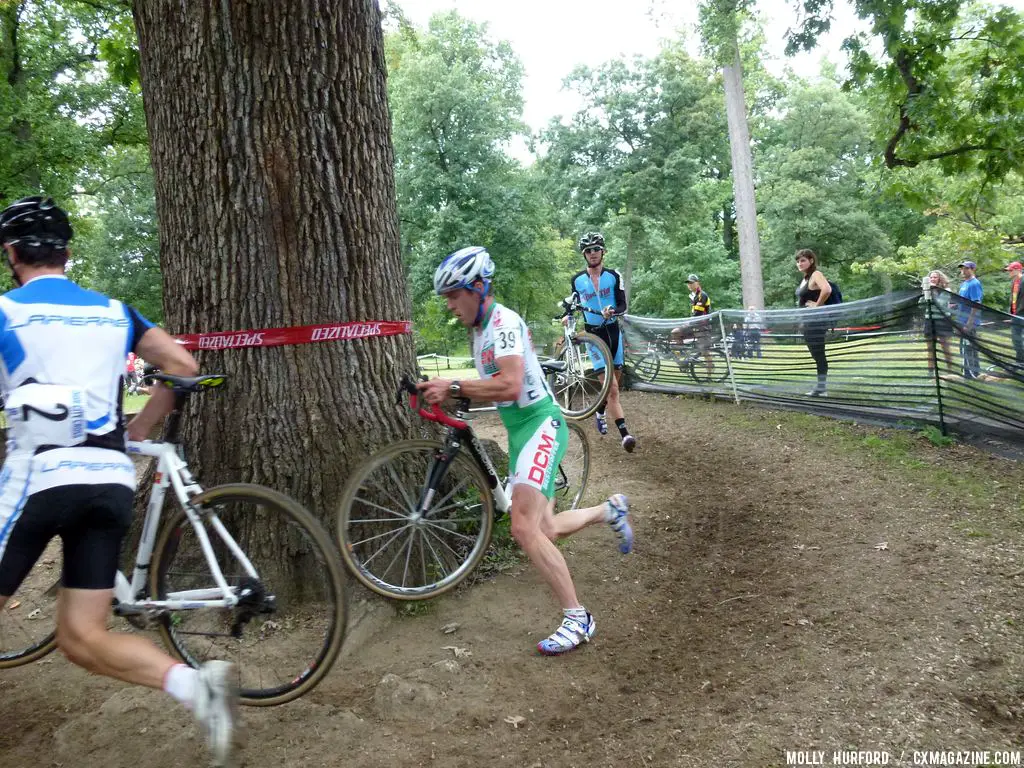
(647, 367)
(352, 521)
(33, 605)
(698, 367)
(311, 573)
(576, 386)
(573, 471)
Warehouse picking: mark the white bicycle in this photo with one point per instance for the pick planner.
(237, 572)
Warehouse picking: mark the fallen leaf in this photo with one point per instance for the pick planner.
(13, 604)
(449, 628)
(460, 653)
(883, 546)
(515, 720)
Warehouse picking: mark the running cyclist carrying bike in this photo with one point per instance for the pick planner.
(511, 376)
(66, 473)
(600, 291)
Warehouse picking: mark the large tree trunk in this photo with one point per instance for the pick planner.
(743, 182)
(271, 149)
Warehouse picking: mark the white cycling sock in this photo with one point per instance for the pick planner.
(180, 681)
(577, 614)
(609, 512)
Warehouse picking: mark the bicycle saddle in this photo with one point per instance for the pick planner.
(188, 383)
(552, 366)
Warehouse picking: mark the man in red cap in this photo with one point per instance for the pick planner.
(1016, 309)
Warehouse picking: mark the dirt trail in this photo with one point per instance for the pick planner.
(758, 614)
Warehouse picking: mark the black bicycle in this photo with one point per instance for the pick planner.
(416, 518)
(703, 362)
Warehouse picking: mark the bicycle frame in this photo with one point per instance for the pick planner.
(172, 472)
(459, 433)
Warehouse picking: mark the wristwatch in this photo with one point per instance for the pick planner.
(455, 389)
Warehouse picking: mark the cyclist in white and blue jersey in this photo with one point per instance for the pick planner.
(511, 376)
(66, 472)
(600, 291)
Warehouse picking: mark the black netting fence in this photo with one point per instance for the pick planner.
(921, 357)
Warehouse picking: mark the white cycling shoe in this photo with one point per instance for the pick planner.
(569, 635)
(216, 709)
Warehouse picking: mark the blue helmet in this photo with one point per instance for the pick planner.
(463, 268)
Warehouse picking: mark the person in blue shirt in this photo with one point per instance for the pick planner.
(67, 473)
(600, 291)
(970, 288)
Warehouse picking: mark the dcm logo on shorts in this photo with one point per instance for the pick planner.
(541, 460)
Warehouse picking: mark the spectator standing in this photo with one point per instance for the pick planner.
(814, 291)
(937, 326)
(970, 317)
(700, 306)
(1016, 269)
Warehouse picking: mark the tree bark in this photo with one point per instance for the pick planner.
(743, 182)
(272, 156)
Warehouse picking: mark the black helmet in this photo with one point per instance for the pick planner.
(591, 239)
(35, 221)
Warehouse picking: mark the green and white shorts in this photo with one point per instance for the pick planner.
(537, 439)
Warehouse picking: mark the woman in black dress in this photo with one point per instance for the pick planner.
(814, 291)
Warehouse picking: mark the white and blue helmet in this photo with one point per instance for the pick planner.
(463, 268)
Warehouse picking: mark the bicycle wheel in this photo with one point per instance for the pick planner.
(708, 367)
(29, 618)
(574, 470)
(580, 389)
(393, 548)
(287, 630)
(646, 368)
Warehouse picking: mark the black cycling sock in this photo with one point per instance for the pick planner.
(621, 424)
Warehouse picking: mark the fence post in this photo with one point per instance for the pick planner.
(935, 356)
(728, 359)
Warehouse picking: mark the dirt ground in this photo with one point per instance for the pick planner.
(795, 586)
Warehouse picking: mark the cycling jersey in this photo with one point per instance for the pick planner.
(700, 303)
(62, 356)
(609, 293)
(502, 333)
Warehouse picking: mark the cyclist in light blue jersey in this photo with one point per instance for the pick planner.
(66, 473)
(510, 375)
(600, 291)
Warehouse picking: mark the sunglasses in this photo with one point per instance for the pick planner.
(593, 249)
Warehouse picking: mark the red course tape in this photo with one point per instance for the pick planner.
(303, 334)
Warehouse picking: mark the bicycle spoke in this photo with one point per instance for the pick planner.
(386, 492)
(456, 505)
(387, 544)
(444, 543)
(432, 525)
(437, 558)
(401, 487)
(443, 499)
(394, 515)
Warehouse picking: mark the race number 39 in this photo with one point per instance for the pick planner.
(506, 339)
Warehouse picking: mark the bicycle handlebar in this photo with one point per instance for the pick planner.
(573, 304)
(436, 414)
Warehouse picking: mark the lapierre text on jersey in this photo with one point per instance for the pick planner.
(109, 322)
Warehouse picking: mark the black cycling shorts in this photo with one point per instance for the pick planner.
(611, 336)
(91, 520)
